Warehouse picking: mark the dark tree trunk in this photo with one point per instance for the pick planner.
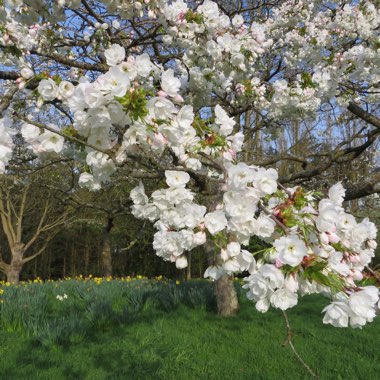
(226, 296)
(225, 292)
(188, 272)
(14, 269)
(35, 268)
(72, 264)
(86, 259)
(13, 274)
(49, 263)
(106, 254)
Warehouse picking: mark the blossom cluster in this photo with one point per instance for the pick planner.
(176, 217)
(313, 246)
(322, 250)
(153, 119)
(221, 56)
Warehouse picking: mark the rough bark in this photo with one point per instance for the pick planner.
(225, 292)
(14, 268)
(226, 296)
(364, 115)
(106, 255)
(370, 185)
(188, 272)
(86, 259)
(13, 274)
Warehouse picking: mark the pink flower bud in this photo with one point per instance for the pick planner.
(162, 93)
(178, 99)
(242, 29)
(323, 237)
(219, 206)
(159, 137)
(372, 244)
(355, 259)
(357, 275)
(333, 238)
(181, 16)
(232, 153)
(240, 88)
(278, 263)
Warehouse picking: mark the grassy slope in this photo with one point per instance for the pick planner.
(196, 344)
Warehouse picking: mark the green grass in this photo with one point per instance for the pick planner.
(115, 334)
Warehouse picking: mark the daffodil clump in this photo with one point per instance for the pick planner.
(81, 278)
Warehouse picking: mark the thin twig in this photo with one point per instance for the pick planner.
(282, 225)
(59, 133)
(376, 275)
(281, 186)
(289, 341)
(133, 242)
(213, 163)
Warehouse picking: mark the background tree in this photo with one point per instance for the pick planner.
(30, 218)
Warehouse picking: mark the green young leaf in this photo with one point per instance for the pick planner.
(134, 103)
(302, 31)
(332, 280)
(288, 269)
(300, 200)
(191, 16)
(307, 81)
(315, 266)
(57, 79)
(339, 247)
(366, 281)
(12, 50)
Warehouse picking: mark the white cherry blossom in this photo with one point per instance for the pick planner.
(48, 89)
(176, 179)
(290, 249)
(114, 55)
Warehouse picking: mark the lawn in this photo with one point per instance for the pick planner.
(161, 330)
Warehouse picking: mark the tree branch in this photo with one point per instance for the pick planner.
(364, 115)
(365, 187)
(289, 341)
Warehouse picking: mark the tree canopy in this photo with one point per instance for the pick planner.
(217, 113)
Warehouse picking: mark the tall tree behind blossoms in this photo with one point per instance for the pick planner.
(170, 90)
(30, 216)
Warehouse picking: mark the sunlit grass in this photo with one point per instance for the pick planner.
(144, 329)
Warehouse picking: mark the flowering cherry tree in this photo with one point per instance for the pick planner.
(161, 88)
